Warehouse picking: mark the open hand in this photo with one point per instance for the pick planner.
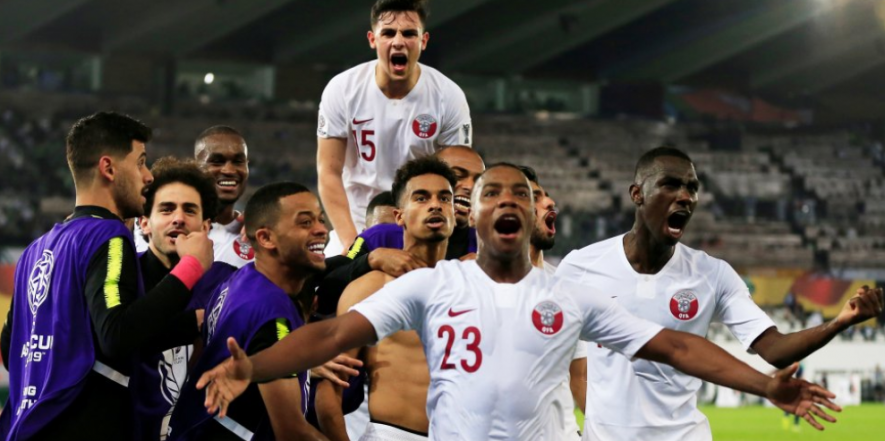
(800, 397)
(226, 381)
(338, 370)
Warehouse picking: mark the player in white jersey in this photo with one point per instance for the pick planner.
(656, 278)
(499, 335)
(222, 151)
(378, 115)
(543, 238)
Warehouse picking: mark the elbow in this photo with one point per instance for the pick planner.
(779, 362)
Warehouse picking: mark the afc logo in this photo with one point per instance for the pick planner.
(684, 305)
(39, 280)
(547, 317)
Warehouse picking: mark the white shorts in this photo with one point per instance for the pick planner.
(383, 432)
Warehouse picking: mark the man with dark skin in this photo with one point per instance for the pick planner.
(534, 345)
(667, 283)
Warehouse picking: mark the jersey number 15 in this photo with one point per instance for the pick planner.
(473, 336)
(363, 140)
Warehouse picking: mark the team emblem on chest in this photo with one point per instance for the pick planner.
(424, 126)
(684, 305)
(547, 317)
(244, 249)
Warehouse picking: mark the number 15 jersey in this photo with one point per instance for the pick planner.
(498, 352)
(383, 134)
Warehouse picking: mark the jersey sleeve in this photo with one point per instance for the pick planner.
(397, 306)
(332, 120)
(607, 323)
(736, 309)
(457, 128)
(580, 350)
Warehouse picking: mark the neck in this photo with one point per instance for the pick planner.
(645, 255)
(396, 89)
(98, 197)
(289, 279)
(429, 252)
(167, 260)
(504, 270)
(536, 256)
(226, 215)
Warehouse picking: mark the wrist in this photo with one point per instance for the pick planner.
(188, 271)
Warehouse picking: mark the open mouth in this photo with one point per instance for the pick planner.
(435, 222)
(507, 226)
(676, 223)
(174, 234)
(550, 221)
(317, 248)
(462, 204)
(399, 62)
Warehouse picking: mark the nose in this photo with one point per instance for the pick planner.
(148, 177)
(685, 197)
(506, 199)
(398, 40)
(178, 218)
(320, 230)
(228, 168)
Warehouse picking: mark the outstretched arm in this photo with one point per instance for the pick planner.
(328, 338)
(699, 358)
(783, 349)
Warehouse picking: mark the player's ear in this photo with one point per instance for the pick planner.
(636, 195)
(398, 217)
(207, 225)
(265, 238)
(424, 39)
(371, 37)
(106, 168)
(144, 225)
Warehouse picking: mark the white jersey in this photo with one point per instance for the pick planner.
(498, 352)
(227, 245)
(383, 134)
(643, 400)
(565, 390)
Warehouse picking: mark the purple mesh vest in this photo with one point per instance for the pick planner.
(240, 307)
(51, 347)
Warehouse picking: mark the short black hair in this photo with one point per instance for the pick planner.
(215, 130)
(648, 158)
(429, 165)
(170, 170)
(383, 199)
(263, 208)
(382, 7)
(529, 173)
(99, 134)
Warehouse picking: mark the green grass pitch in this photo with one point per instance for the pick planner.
(757, 423)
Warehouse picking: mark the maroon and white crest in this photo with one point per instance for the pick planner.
(424, 126)
(684, 305)
(547, 318)
(244, 249)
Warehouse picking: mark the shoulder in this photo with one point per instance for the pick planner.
(700, 261)
(438, 81)
(379, 235)
(586, 257)
(344, 81)
(361, 289)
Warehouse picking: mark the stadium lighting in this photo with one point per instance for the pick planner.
(209, 78)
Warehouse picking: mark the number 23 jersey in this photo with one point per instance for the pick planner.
(497, 352)
(383, 134)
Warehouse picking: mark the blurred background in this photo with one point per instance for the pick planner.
(781, 104)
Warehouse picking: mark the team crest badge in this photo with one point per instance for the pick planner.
(547, 318)
(213, 315)
(424, 126)
(684, 305)
(38, 281)
(244, 249)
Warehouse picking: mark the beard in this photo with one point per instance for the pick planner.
(541, 241)
(127, 199)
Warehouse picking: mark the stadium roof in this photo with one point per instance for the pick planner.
(785, 48)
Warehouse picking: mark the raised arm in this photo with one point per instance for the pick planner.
(783, 349)
(330, 165)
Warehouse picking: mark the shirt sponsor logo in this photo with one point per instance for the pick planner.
(547, 317)
(424, 126)
(684, 305)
